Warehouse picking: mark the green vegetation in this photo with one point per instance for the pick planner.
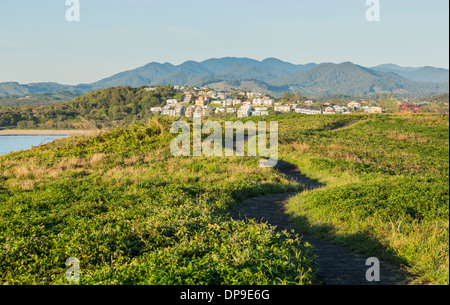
(437, 104)
(36, 99)
(442, 98)
(387, 190)
(134, 214)
(350, 79)
(118, 106)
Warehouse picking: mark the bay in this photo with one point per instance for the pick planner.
(15, 143)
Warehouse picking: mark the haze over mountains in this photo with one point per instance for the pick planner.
(269, 76)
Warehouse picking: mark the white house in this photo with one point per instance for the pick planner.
(354, 105)
(308, 111)
(155, 109)
(329, 110)
(245, 111)
(220, 110)
(283, 108)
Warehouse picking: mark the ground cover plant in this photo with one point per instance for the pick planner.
(386, 186)
(134, 214)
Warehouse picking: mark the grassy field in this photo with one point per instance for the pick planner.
(387, 187)
(134, 214)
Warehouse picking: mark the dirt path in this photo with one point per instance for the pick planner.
(337, 265)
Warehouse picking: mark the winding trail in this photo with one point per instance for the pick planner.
(336, 265)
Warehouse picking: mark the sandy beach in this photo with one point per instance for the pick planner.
(17, 132)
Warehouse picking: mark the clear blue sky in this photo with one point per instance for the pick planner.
(38, 44)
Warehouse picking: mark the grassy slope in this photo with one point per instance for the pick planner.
(133, 214)
(386, 191)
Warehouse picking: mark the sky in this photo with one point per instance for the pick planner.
(38, 44)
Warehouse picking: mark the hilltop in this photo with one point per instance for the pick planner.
(271, 76)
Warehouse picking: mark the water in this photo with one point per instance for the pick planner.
(10, 144)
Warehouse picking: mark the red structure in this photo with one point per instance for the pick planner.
(408, 108)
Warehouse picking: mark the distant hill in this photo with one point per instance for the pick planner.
(198, 73)
(420, 74)
(271, 76)
(350, 79)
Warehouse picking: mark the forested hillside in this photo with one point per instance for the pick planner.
(272, 76)
(103, 108)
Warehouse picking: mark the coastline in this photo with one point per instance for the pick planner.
(19, 132)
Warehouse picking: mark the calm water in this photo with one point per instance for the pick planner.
(10, 144)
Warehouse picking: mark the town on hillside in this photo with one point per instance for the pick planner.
(199, 102)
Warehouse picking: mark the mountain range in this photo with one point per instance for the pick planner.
(271, 76)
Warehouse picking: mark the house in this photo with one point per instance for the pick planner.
(189, 111)
(202, 101)
(354, 105)
(366, 109)
(260, 113)
(292, 104)
(187, 98)
(171, 110)
(245, 111)
(156, 109)
(257, 101)
(172, 102)
(198, 112)
(376, 110)
(339, 109)
(329, 110)
(207, 111)
(168, 110)
(283, 108)
(220, 110)
(308, 111)
(179, 110)
(266, 101)
(231, 110)
(230, 102)
(309, 103)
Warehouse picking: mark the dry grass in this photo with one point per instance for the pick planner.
(301, 147)
(409, 138)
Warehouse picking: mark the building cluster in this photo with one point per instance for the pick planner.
(203, 102)
(206, 103)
